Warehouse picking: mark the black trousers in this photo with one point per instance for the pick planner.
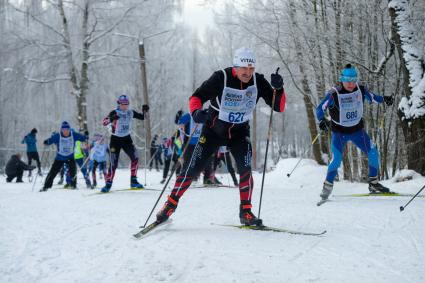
(34, 155)
(18, 175)
(209, 142)
(55, 169)
(126, 144)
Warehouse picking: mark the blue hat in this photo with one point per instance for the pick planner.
(123, 99)
(348, 74)
(65, 125)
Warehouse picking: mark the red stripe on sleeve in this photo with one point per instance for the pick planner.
(195, 103)
(282, 101)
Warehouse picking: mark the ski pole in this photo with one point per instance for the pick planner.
(169, 178)
(403, 207)
(35, 179)
(301, 158)
(146, 153)
(269, 134)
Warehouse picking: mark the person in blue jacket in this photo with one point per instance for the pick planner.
(31, 141)
(345, 105)
(65, 142)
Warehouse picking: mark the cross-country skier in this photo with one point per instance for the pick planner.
(155, 151)
(121, 120)
(345, 105)
(65, 142)
(98, 152)
(31, 141)
(15, 168)
(81, 155)
(233, 94)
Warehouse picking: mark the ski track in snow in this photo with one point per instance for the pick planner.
(65, 236)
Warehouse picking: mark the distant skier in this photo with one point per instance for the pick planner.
(81, 156)
(155, 151)
(15, 168)
(31, 141)
(223, 155)
(120, 120)
(65, 142)
(345, 104)
(98, 154)
(233, 94)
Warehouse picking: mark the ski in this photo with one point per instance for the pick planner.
(122, 190)
(391, 194)
(211, 186)
(149, 228)
(272, 229)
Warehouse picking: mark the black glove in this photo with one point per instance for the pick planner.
(145, 108)
(276, 80)
(324, 125)
(86, 133)
(200, 116)
(45, 142)
(388, 100)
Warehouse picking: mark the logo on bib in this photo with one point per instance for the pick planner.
(248, 93)
(202, 139)
(250, 104)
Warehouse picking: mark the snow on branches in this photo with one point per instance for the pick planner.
(412, 107)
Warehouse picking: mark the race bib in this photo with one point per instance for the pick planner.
(237, 105)
(123, 126)
(66, 145)
(350, 108)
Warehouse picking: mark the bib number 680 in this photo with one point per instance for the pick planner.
(351, 115)
(236, 117)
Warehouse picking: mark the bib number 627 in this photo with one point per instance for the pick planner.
(236, 117)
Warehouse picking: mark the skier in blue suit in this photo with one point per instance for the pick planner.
(345, 105)
(65, 142)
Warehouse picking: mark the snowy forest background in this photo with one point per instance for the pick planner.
(69, 60)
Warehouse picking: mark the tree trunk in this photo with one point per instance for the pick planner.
(84, 82)
(412, 104)
(145, 90)
(320, 76)
(307, 92)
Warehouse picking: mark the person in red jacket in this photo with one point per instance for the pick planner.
(233, 94)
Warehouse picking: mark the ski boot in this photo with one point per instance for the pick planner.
(134, 184)
(44, 189)
(217, 182)
(60, 181)
(94, 185)
(88, 183)
(169, 207)
(40, 173)
(162, 182)
(247, 217)
(208, 182)
(375, 187)
(327, 190)
(67, 186)
(106, 188)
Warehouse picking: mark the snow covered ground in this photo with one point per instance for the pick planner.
(75, 236)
